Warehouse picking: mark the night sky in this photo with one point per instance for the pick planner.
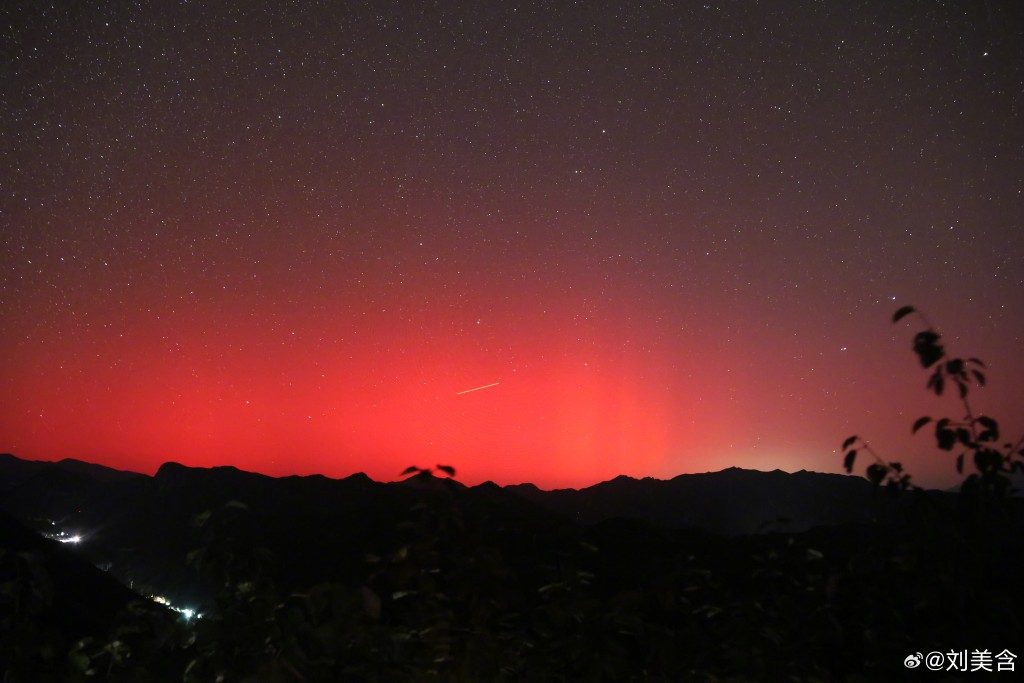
(671, 235)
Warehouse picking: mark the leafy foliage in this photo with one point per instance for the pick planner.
(974, 438)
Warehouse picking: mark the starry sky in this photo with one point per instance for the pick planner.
(291, 236)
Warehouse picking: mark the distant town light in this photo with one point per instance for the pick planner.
(184, 611)
(64, 537)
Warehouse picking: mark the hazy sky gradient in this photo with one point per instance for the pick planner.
(672, 233)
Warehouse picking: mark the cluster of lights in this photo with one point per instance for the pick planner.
(64, 537)
(184, 611)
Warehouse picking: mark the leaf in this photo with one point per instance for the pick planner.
(987, 460)
(927, 347)
(849, 442)
(409, 470)
(897, 467)
(849, 460)
(447, 469)
(80, 660)
(989, 435)
(986, 422)
(902, 313)
(976, 361)
(946, 439)
(978, 377)
(960, 464)
(920, 422)
(876, 473)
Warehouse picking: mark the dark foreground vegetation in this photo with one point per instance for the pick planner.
(428, 580)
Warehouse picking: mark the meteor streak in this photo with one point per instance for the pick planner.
(458, 393)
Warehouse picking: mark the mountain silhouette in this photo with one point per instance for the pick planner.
(144, 526)
(668, 571)
(732, 501)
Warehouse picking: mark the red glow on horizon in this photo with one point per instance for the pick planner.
(215, 386)
(677, 253)
(290, 392)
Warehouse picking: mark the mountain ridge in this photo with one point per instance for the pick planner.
(729, 502)
(74, 463)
